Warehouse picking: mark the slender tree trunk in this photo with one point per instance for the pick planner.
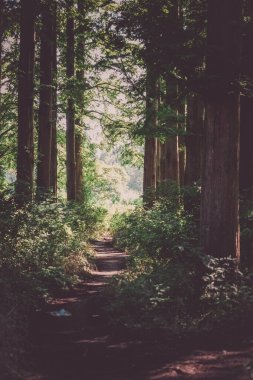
(70, 113)
(219, 204)
(1, 43)
(53, 169)
(159, 143)
(79, 130)
(25, 157)
(46, 99)
(181, 145)
(170, 147)
(194, 137)
(158, 163)
(150, 149)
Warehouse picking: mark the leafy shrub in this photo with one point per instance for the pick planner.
(169, 282)
(246, 225)
(162, 283)
(227, 298)
(43, 248)
(162, 296)
(160, 232)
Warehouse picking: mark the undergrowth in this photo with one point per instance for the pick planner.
(43, 250)
(169, 282)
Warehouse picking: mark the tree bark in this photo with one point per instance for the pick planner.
(70, 112)
(53, 169)
(46, 99)
(25, 156)
(150, 149)
(194, 138)
(219, 204)
(1, 43)
(79, 131)
(246, 135)
(158, 163)
(181, 145)
(170, 148)
(246, 151)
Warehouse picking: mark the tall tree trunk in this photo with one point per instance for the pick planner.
(194, 137)
(158, 162)
(53, 169)
(181, 144)
(1, 43)
(46, 99)
(70, 113)
(170, 148)
(219, 204)
(150, 149)
(246, 134)
(25, 157)
(246, 151)
(79, 131)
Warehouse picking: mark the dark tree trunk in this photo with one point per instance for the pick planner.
(80, 77)
(46, 98)
(219, 204)
(170, 148)
(70, 113)
(246, 149)
(150, 149)
(194, 137)
(25, 157)
(246, 134)
(181, 145)
(158, 162)
(53, 169)
(1, 42)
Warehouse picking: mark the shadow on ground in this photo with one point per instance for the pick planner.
(84, 346)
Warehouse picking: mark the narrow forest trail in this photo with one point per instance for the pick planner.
(84, 346)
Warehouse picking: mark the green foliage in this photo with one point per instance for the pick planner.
(169, 283)
(160, 232)
(246, 225)
(43, 250)
(227, 298)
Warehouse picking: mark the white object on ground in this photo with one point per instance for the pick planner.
(60, 313)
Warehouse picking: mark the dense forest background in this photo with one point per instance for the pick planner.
(133, 119)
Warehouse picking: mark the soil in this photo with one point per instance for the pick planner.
(83, 345)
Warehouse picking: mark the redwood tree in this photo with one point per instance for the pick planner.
(53, 168)
(70, 112)
(1, 40)
(170, 149)
(246, 133)
(25, 156)
(80, 78)
(46, 97)
(219, 204)
(194, 138)
(150, 148)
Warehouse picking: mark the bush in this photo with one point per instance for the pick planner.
(43, 249)
(169, 282)
(160, 232)
(162, 283)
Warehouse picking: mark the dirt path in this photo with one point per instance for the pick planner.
(83, 346)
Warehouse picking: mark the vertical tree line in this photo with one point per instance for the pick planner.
(212, 141)
(195, 56)
(25, 155)
(46, 113)
(46, 172)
